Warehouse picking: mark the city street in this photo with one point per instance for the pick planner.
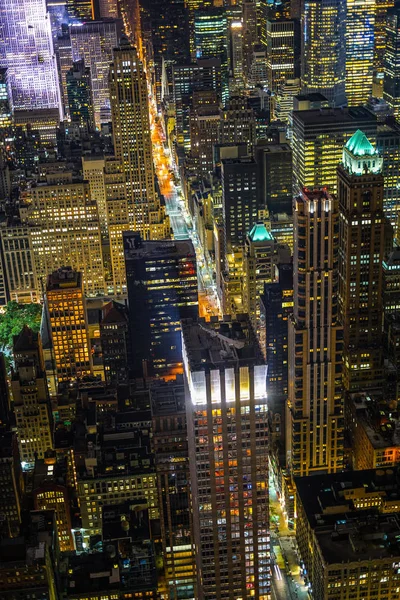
(287, 583)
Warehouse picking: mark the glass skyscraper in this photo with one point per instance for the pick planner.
(360, 39)
(26, 50)
(323, 49)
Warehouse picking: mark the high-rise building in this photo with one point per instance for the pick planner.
(258, 269)
(94, 43)
(249, 33)
(32, 408)
(391, 60)
(238, 122)
(382, 8)
(162, 289)
(236, 55)
(16, 250)
(114, 337)
(63, 50)
(318, 140)
(211, 40)
(239, 199)
(65, 307)
(280, 52)
(80, 97)
(360, 26)
(323, 51)
(314, 440)
(388, 146)
(65, 230)
(170, 447)
(11, 483)
(81, 10)
(363, 237)
(5, 100)
(274, 163)
(205, 122)
(132, 142)
(26, 51)
(228, 457)
(108, 9)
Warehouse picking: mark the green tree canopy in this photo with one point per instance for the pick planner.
(13, 320)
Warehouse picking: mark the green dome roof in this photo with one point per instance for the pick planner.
(260, 233)
(359, 144)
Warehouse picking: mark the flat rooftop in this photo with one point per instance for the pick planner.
(135, 247)
(333, 116)
(64, 277)
(220, 342)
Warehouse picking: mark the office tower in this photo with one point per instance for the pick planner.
(283, 100)
(280, 52)
(65, 311)
(32, 408)
(80, 10)
(318, 139)
(236, 55)
(16, 250)
(228, 457)
(63, 51)
(211, 40)
(94, 43)
(205, 121)
(388, 146)
(239, 199)
(170, 447)
(26, 51)
(391, 66)
(50, 493)
(238, 123)
(108, 9)
(360, 24)
(65, 230)
(323, 51)
(249, 33)
(337, 546)
(258, 75)
(80, 97)
(276, 306)
(205, 74)
(11, 483)
(114, 338)
(5, 100)
(314, 440)
(382, 8)
(258, 269)
(363, 237)
(132, 142)
(274, 164)
(162, 289)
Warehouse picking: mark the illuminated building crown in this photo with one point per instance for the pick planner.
(360, 156)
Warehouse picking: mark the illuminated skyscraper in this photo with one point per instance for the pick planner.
(65, 305)
(211, 40)
(381, 22)
(65, 229)
(363, 234)
(360, 24)
(26, 50)
(94, 42)
(80, 98)
(391, 60)
(5, 99)
(132, 142)
(323, 52)
(81, 10)
(314, 441)
(227, 421)
(280, 52)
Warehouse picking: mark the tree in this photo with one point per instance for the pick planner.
(13, 320)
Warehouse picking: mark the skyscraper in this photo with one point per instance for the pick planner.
(363, 232)
(314, 441)
(228, 457)
(26, 50)
(318, 139)
(81, 10)
(94, 42)
(162, 289)
(280, 52)
(211, 40)
(381, 22)
(391, 60)
(65, 306)
(360, 24)
(132, 142)
(80, 97)
(323, 52)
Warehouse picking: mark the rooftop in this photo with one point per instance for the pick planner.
(135, 247)
(334, 116)
(63, 278)
(359, 145)
(260, 233)
(220, 342)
